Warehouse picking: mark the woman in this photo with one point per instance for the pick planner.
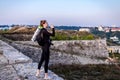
(45, 48)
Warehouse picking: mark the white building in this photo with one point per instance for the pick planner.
(112, 29)
(114, 38)
(100, 28)
(84, 29)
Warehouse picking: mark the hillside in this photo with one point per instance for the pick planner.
(25, 33)
(22, 30)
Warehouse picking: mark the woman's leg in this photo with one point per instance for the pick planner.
(47, 53)
(40, 63)
(46, 62)
(41, 60)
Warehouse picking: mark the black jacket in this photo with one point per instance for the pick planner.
(46, 35)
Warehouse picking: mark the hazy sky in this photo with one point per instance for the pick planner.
(61, 12)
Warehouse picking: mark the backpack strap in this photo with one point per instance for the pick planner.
(40, 27)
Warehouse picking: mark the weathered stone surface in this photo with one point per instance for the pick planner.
(35, 54)
(8, 73)
(62, 58)
(56, 57)
(1, 52)
(3, 61)
(93, 48)
(16, 66)
(13, 55)
(88, 60)
(29, 69)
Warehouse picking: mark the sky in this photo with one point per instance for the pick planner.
(61, 12)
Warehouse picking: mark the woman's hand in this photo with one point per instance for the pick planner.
(52, 26)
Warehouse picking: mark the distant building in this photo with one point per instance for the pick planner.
(107, 30)
(84, 29)
(112, 29)
(115, 39)
(115, 29)
(100, 28)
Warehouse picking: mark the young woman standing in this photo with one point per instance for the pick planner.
(45, 48)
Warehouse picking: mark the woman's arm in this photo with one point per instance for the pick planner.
(48, 33)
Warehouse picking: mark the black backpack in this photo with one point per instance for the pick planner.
(40, 38)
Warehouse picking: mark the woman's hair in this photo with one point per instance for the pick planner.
(42, 22)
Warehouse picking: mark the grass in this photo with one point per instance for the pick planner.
(87, 72)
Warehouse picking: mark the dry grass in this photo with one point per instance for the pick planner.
(25, 34)
(19, 30)
(87, 72)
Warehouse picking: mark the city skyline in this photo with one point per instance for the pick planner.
(61, 12)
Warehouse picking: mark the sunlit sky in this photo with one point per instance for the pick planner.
(61, 12)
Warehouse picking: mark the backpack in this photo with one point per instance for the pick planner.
(36, 33)
(40, 39)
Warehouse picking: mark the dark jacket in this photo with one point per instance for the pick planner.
(46, 35)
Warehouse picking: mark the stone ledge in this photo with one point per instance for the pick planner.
(18, 66)
(29, 69)
(13, 55)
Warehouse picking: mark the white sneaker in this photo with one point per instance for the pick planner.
(37, 73)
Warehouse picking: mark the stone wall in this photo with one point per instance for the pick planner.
(67, 52)
(56, 57)
(92, 48)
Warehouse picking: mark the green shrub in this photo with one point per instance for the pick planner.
(71, 35)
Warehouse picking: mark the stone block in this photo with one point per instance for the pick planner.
(13, 55)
